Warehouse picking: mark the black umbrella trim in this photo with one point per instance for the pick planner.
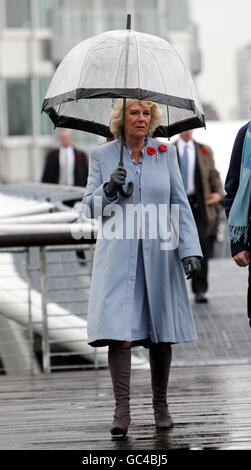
(181, 126)
(101, 129)
(174, 129)
(134, 93)
(79, 124)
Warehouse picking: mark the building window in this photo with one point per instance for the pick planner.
(46, 126)
(45, 13)
(45, 49)
(178, 17)
(113, 15)
(18, 13)
(19, 106)
(145, 20)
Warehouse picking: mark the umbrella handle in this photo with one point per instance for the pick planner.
(129, 192)
(121, 160)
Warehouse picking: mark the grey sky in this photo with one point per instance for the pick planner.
(224, 27)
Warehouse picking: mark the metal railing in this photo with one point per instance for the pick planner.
(43, 308)
(65, 274)
(44, 291)
(16, 338)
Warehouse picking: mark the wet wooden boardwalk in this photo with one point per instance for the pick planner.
(211, 407)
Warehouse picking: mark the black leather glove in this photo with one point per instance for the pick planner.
(191, 264)
(118, 177)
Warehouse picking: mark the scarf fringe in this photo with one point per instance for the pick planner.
(236, 232)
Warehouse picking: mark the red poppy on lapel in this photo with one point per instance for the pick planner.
(151, 150)
(163, 148)
(78, 158)
(204, 151)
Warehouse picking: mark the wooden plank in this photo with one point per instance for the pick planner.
(211, 408)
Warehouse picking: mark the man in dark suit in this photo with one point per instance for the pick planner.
(66, 165)
(204, 191)
(241, 251)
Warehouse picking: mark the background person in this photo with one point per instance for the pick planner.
(237, 202)
(138, 292)
(204, 191)
(66, 165)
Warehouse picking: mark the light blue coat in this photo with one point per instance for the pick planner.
(111, 299)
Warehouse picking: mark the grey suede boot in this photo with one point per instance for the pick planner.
(119, 361)
(160, 363)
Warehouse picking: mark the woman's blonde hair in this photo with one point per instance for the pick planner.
(116, 116)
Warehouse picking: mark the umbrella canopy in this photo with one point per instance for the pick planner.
(122, 64)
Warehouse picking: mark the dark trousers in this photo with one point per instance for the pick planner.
(249, 295)
(199, 279)
(249, 273)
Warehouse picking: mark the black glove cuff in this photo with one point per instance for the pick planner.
(108, 191)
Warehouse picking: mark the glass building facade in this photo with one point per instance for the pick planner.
(35, 35)
(19, 109)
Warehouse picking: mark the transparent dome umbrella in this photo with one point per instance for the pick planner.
(122, 64)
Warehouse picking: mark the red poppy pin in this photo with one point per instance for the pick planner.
(78, 158)
(151, 150)
(163, 148)
(204, 151)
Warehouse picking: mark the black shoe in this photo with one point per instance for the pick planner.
(81, 257)
(200, 298)
(118, 429)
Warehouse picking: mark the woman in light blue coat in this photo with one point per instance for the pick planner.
(138, 293)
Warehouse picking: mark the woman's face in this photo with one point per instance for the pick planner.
(137, 120)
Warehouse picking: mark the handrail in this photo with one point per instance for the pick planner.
(17, 235)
